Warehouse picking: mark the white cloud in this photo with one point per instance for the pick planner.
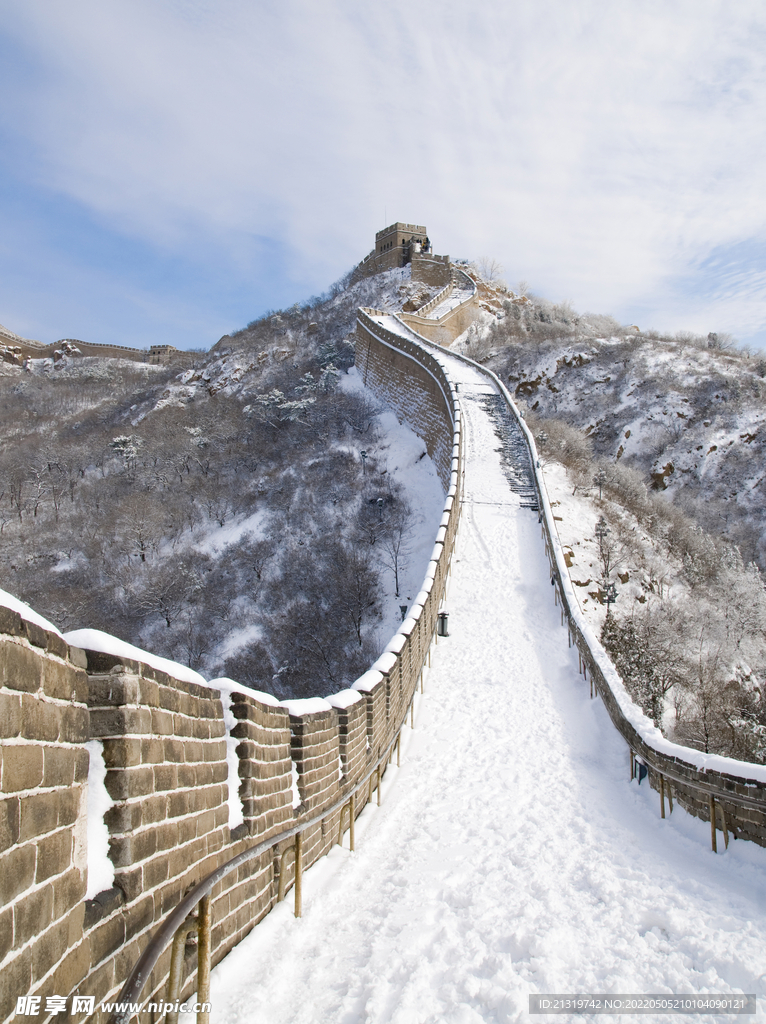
(603, 151)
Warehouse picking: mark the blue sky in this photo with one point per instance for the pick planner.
(170, 169)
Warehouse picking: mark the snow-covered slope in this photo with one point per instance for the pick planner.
(692, 419)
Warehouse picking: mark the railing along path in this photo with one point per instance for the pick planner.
(709, 786)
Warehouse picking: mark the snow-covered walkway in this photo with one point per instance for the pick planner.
(511, 854)
(458, 295)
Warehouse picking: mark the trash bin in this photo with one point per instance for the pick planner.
(442, 621)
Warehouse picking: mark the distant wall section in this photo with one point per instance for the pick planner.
(408, 379)
(16, 350)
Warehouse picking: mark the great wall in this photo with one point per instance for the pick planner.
(179, 869)
(16, 350)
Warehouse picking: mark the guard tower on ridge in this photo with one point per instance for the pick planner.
(401, 241)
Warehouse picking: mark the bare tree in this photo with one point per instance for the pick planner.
(393, 546)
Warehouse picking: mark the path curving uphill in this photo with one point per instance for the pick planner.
(511, 855)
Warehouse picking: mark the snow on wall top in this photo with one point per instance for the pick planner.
(103, 643)
(9, 601)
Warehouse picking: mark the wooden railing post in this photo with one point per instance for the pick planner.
(203, 959)
(298, 874)
(712, 824)
(177, 963)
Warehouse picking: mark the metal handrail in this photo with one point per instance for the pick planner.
(146, 963)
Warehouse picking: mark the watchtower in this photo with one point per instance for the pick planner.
(401, 240)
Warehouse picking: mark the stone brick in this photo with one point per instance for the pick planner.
(184, 726)
(54, 854)
(162, 723)
(139, 917)
(156, 871)
(189, 775)
(9, 822)
(152, 751)
(69, 801)
(17, 980)
(130, 881)
(149, 693)
(124, 817)
(117, 689)
(81, 764)
(59, 765)
(99, 982)
(35, 634)
(165, 777)
(178, 804)
(22, 767)
(6, 932)
(75, 922)
(75, 725)
(40, 720)
(186, 704)
(49, 949)
(104, 905)
(120, 721)
(170, 699)
(122, 751)
(130, 849)
(99, 663)
(20, 668)
(68, 891)
(215, 750)
(129, 782)
(107, 936)
(57, 645)
(10, 715)
(173, 750)
(78, 658)
(173, 833)
(58, 678)
(125, 958)
(32, 914)
(205, 823)
(10, 622)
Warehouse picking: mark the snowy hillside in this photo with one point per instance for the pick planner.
(687, 412)
(653, 453)
(224, 516)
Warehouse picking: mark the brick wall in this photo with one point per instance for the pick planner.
(446, 328)
(431, 270)
(426, 268)
(43, 775)
(165, 747)
(409, 380)
(37, 350)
